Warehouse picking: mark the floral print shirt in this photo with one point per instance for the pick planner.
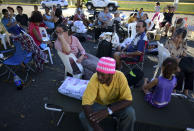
(177, 52)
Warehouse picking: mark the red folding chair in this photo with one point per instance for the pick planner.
(139, 64)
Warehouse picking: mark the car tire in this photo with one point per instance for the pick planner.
(89, 6)
(111, 7)
(43, 6)
(59, 6)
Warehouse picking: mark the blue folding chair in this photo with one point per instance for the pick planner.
(5, 71)
(19, 57)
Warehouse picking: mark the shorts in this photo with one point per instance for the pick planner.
(128, 59)
(149, 98)
(162, 24)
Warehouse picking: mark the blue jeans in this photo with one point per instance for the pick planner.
(125, 116)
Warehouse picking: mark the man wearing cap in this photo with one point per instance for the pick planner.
(107, 94)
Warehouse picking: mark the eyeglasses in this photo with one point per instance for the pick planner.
(58, 32)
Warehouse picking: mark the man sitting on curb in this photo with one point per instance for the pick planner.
(107, 94)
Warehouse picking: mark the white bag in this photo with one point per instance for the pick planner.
(107, 36)
(126, 42)
(79, 27)
(73, 87)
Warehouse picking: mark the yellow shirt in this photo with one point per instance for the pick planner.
(131, 20)
(105, 95)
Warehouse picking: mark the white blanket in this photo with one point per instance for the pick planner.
(73, 87)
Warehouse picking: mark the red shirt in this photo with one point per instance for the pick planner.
(36, 27)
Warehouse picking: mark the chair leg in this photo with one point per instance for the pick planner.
(60, 118)
(3, 42)
(50, 56)
(28, 70)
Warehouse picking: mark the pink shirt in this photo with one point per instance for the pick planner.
(31, 27)
(75, 46)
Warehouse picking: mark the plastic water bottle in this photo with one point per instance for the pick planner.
(18, 82)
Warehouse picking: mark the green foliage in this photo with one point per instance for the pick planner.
(85, 1)
(33, 1)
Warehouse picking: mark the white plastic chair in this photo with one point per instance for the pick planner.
(49, 52)
(46, 39)
(132, 28)
(68, 68)
(163, 53)
(2, 37)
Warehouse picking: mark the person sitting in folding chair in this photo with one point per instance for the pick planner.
(107, 94)
(135, 49)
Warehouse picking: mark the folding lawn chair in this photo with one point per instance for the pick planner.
(139, 64)
(5, 71)
(19, 57)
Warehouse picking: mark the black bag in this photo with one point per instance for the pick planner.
(187, 64)
(135, 77)
(104, 49)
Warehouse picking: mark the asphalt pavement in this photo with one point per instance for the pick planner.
(24, 110)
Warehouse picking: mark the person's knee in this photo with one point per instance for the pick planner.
(116, 55)
(130, 112)
(82, 116)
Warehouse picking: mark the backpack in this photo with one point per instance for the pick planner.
(104, 49)
(135, 77)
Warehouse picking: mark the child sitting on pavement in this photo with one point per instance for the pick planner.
(163, 86)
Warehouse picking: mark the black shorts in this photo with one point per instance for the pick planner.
(162, 24)
(129, 59)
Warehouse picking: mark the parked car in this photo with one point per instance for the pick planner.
(58, 3)
(93, 4)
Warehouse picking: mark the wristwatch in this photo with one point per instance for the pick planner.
(110, 112)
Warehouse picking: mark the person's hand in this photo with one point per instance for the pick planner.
(79, 60)
(178, 69)
(56, 19)
(60, 36)
(98, 116)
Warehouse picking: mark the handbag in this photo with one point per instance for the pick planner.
(187, 64)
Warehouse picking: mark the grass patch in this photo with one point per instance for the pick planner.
(150, 6)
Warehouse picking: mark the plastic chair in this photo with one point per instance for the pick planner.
(185, 21)
(132, 28)
(163, 53)
(66, 59)
(46, 38)
(139, 64)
